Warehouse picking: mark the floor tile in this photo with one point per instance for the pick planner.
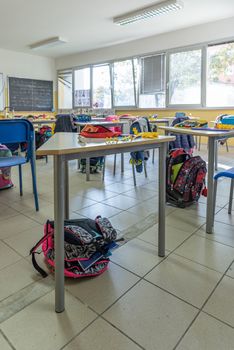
(40, 318)
(16, 224)
(189, 281)
(221, 233)
(152, 317)
(98, 195)
(184, 221)
(7, 256)
(174, 236)
(106, 338)
(99, 293)
(123, 220)
(24, 241)
(118, 187)
(223, 216)
(207, 333)
(122, 202)
(99, 209)
(6, 212)
(45, 213)
(79, 202)
(137, 256)
(4, 345)
(139, 193)
(206, 252)
(230, 271)
(18, 276)
(221, 303)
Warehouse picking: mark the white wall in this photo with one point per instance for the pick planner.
(222, 29)
(21, 65)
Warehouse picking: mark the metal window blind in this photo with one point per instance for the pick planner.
(152, 74)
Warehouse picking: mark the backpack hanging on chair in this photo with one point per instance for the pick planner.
(185, 178)
(5, 172)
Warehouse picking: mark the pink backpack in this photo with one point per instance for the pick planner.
(5, 173)
(113, 118)
(87, 246)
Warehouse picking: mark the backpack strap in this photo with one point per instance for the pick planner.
(33, 251)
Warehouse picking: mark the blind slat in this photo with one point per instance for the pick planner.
(152, 74)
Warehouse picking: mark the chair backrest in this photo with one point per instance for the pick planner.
(18, 131)
(64, 123)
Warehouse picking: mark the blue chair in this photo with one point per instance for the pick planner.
(20, 131)
(230, 174)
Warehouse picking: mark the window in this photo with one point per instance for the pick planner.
(65, 89)
(152, 83)
(123, 84)
(185, 78)
(101, 86)
(82, 92)
(1, 92)
(220, 75)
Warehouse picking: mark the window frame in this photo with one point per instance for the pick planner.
(2, 93)
(111, 85)
(59, 72)
(187, 105)
(90, 90)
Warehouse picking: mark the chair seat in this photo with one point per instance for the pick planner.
(12, 161)
(227, 173)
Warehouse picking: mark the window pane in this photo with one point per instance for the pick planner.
(152, 85)
(1, 92)
(185, 77)
(123, 84)
(220, 75)
(101, 87)
(65, 90)
(82, 88)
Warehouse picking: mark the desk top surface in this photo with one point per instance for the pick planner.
(207, 133)
(108, 123)
(67, 143)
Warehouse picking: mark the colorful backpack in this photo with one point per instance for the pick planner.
(137, 158)
(185, 178)
(183, 140)
(5, 173)
(87, 245)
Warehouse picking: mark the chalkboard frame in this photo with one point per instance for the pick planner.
(30, 94)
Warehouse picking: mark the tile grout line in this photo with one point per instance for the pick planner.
(202, 307)
(7, 340)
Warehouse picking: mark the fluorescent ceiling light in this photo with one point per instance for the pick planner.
(157, 9)
(48, 43)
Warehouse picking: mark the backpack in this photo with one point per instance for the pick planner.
(5, 173)
(183, 140)
(95, 164)
(137, 158)
(185, 178)
(87, 245)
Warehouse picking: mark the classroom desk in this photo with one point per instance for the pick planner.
(42, 121)
(64, 147)
(107, 124)
(213, 137)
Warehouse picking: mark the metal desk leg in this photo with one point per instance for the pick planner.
(210, 197)
(162, 199)
(66, 189)
(59, 232)
(87, 169)
(122, 163)
(216, 154)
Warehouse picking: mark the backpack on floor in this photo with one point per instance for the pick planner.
(5, 173)
(185, 178)
(95, 164)
(87, 245)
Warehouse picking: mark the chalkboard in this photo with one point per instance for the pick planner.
(30, 94)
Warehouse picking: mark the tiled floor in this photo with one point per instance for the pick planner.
(183, 301)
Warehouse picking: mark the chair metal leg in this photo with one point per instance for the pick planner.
(20, 180)
(199, 143)
(87, 169)
(104, 169)
(145, 169)
(114, 169)
(153, 155)
(215, 193)
(231, 197)
(34, 182)
(134, 174)
(227, 148)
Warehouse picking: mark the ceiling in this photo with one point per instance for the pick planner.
(88, 24)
